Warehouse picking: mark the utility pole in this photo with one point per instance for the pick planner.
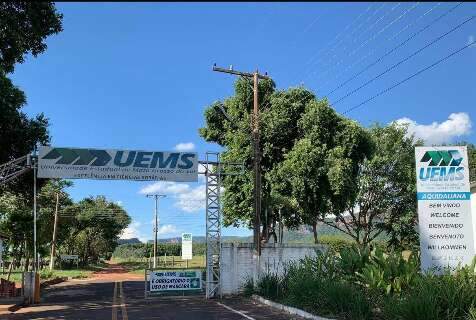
(256, 148)
(156, 222)
(53, 243)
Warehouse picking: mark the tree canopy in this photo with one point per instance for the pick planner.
(318, 167)
(24, 26)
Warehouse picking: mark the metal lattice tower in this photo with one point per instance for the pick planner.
(15, 168)
(213, 212)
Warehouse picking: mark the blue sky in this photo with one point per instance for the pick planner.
(138, 76)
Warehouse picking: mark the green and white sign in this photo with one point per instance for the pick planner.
(170, 280)
(187, 246)
(444, 207)
(106, 164)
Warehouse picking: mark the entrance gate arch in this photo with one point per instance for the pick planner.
(105, 164)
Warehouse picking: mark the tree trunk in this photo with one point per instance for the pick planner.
(314, 231)
(10, 267)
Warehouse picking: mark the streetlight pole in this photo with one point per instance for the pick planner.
(156, 222)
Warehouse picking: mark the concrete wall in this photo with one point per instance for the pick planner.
(238, 262)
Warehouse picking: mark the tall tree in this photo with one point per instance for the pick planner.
(24, 26)
(228, 124)
(95, 227)
(320, 171)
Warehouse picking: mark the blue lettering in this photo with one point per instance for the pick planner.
(187, 162)
(435, 172)
(170, 162)
(141, 158)
(118, 159)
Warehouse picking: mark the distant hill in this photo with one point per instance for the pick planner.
(301, 235)
(128, 241)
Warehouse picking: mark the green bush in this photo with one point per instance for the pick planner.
(360, 283)
(336, 242)
(447, 296)
(325, 296)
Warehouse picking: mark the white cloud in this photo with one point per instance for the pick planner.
(471, 39)
(185, 146)
(457, 125)
(132, 231)
(167, 229)
(165, 187)
(193, 200)
(186, 198)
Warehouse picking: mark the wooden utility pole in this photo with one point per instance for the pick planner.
(53, 243)
(256, 149)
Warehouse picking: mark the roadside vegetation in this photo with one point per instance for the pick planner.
(320, 168)
(364, 283)
(139, 256)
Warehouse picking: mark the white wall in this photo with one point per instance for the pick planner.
(238, 262)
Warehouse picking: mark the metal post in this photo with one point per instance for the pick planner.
(35, 258)
(53, 244)
(156, 224)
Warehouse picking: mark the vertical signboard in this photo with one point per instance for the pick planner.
(444, 207)
(186, 246)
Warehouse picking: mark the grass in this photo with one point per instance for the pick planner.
(171, 262)
(45, 274)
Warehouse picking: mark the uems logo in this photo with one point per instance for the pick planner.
(136, 159)
(442, 166)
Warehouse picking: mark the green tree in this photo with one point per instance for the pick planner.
(280, 111)
(46, 213)
(95, 227)
(320, 172)
(25, 26)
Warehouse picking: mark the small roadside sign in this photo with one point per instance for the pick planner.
(173, 280)
(187, 246)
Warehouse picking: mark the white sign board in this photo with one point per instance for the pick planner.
(69, 257)
(444, 207)
(74, 163)
(186, 246)
(170, 280)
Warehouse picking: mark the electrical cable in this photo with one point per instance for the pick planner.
(410, 77)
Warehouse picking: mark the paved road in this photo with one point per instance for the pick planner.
(124, 299)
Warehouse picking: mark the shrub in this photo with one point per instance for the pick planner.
(447, 296)
(325, 296)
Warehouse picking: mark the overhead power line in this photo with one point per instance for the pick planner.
(396, 47)
(372, 37)
(410, 77)
(403, 60)
(355, 62)
(338, 35)
(365, 43)
(331, 59)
